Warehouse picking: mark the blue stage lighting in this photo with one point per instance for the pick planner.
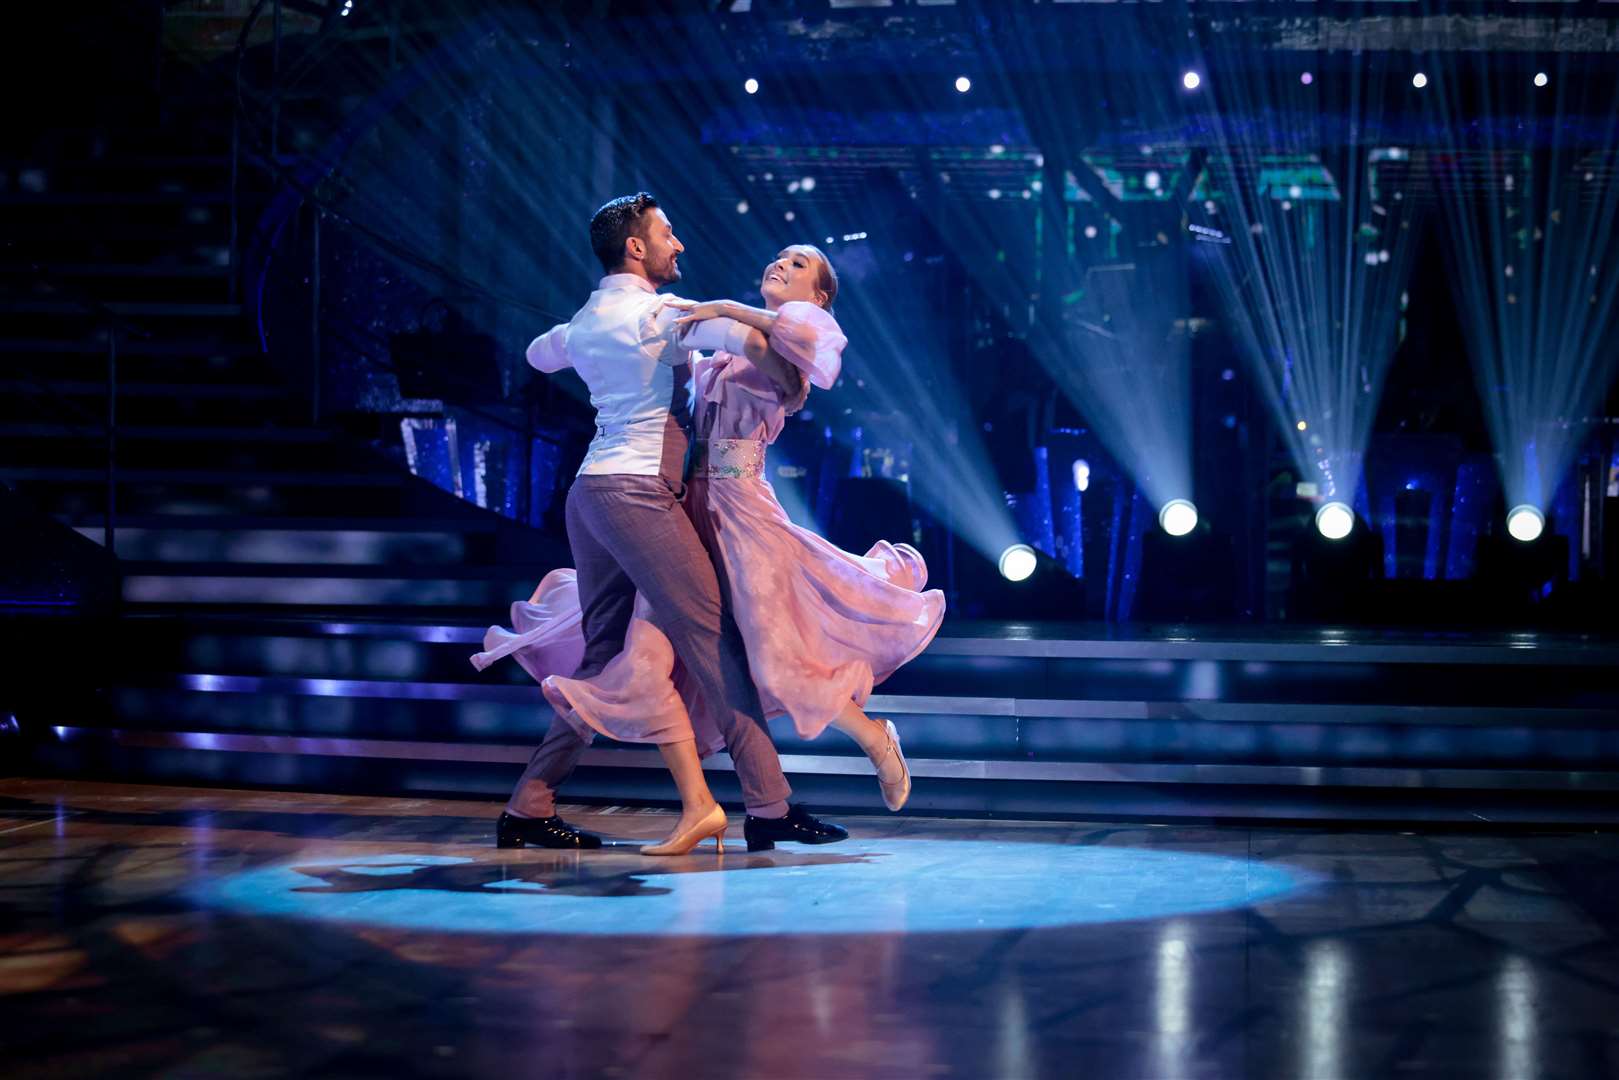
(1178, 517)
(1335, 520)
(1525, 523)
(1018, 562)
(1082, 474)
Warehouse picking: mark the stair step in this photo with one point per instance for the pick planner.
(301, 588)
(114, 270)
(231, 477)
(80, 199)
(167, 391)
(138, 459)
(356, 571)
(209, 500)
(174, 433)
(138, 310)
(471, 524)
(238, 550)
(97, 346)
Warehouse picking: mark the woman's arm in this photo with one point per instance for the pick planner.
(759, 318)
(786, 378)
(734, 336)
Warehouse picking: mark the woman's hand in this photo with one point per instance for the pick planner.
(708, 309)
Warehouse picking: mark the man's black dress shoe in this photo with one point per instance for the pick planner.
(547, 832)
(798, 826)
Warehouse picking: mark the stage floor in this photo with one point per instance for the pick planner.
(149, 930)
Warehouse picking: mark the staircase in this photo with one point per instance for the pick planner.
(230, 504)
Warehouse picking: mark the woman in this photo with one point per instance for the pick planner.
(821, 625)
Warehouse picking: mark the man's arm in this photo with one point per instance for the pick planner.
(661, 333)
(549, 351)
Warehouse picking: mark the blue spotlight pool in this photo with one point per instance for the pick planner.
(863, 886)
(1177, 517)
(1018, 562)
(1525, 523)
(1335, 520)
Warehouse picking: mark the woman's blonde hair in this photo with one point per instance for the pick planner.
(826, 280)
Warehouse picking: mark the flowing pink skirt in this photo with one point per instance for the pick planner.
(822, 627)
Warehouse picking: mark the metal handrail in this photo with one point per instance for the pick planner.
(116, 327)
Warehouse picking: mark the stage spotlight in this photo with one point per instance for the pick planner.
(1541, 79)
(751, 86)
(1306, 78)
(348, 6)
(1018, 562)
(963, 84)
(1525, 523)
(1191, 80)
(1419, 80)
(1178, 517)
(1335, 520)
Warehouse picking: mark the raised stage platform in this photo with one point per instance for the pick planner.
(996, 719)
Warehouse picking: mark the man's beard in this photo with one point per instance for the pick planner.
(668, 273)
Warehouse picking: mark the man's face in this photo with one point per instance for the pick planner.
(663, 248)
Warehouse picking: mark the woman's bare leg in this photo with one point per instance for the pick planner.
(696, 800)
(870, 734)
(877, 739)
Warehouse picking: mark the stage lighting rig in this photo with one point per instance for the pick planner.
(1525, 523)
(1335, 520)
(1177, 517)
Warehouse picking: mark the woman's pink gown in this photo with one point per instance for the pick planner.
(822, 626)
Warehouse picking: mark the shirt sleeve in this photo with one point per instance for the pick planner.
(809, 338)
(661, 338)
(717, 335)
(549, 351)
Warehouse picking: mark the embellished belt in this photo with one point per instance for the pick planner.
(733, 459)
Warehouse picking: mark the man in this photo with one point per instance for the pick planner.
(629, 532)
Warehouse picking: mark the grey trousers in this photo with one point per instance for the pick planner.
(630, 534)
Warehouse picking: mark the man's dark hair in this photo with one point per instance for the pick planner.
(615, 223)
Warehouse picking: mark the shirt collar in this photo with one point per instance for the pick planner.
(627, 281)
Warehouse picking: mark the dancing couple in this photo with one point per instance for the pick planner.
(697, 609)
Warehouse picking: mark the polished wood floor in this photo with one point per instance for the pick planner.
(150, 931)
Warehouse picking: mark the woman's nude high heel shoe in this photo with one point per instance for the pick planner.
(895, 793)
(713, 824)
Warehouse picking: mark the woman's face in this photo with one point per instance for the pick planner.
(792, 275)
